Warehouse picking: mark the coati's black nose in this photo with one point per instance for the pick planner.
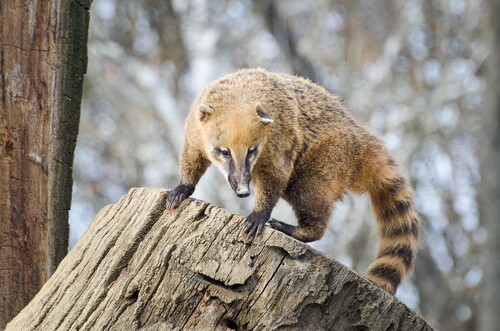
(242, 192)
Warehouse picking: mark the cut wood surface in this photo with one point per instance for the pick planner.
(140, 267)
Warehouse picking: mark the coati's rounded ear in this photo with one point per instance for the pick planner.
(205, 111)
(263, 116)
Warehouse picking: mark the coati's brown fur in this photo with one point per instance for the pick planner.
(295, 140)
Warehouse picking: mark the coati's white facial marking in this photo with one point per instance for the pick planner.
(252, 155)
(219, 159)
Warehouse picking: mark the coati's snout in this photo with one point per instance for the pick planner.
(239, 177)
(242, 190)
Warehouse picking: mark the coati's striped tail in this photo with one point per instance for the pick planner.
(398, 226)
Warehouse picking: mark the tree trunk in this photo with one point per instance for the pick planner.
(490, 183)
(138, 266)
(43, 57)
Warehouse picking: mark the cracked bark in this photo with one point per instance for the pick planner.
(139, 267)
(43, 56)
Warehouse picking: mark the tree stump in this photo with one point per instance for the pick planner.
(140, 267)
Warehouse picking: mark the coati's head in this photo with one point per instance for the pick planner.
(234, 140)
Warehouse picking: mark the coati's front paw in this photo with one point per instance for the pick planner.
(177, 195)
(255, 223)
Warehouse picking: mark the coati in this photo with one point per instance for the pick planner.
(295, 140)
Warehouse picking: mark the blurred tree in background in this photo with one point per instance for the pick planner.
(413, 71)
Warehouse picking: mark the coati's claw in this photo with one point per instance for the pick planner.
(177, 195)
(254, 223)
(174, 200)
(250, 228)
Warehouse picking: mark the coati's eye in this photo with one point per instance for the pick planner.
(225, 152)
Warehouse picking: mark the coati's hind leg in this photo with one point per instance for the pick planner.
(313, 210)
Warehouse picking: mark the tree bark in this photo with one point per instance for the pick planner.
(139, 267)
(43, 58)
